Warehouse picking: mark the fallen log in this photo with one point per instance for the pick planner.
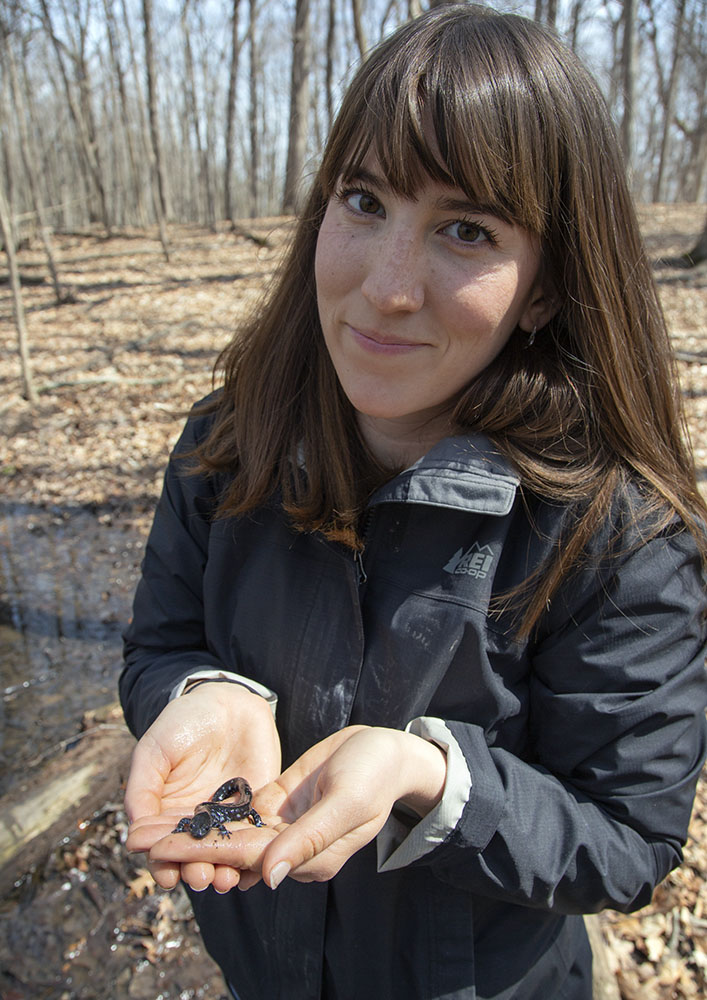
(59, 794)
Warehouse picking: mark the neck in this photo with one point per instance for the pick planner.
(400, 442)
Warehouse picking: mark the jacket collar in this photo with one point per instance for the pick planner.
(465, 472)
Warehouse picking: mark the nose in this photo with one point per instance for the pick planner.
(394, 281)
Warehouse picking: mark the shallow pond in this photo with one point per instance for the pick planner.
(67, 576)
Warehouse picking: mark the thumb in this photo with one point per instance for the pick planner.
(145, 785)
(317, 845)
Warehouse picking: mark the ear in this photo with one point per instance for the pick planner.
(542, 304)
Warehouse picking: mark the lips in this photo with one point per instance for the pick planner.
(382, 343)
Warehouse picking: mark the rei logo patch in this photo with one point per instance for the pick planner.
(476, 561)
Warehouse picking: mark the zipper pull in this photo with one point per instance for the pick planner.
(362, 576)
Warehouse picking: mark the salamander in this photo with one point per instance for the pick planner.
(214, 814)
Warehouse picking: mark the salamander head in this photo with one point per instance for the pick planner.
(200, 824)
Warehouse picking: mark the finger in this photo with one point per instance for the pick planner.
(242, 849)
(226, 878)
(333, 820)
(165, 873)
(248, 879)
(149, 769)
(198, 875)
(146, 832)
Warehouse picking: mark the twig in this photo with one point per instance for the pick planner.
(74, 738)
(101, 380)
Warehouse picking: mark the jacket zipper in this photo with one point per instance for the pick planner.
(362, 575)
(358, 554)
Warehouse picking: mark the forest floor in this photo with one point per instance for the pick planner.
(117, 369)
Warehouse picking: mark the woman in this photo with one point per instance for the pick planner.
(435, 548)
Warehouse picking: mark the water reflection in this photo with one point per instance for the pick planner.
(66, 581)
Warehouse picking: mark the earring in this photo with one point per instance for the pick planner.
(531, 338)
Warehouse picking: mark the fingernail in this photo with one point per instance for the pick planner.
(279, 872)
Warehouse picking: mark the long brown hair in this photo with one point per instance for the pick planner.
(520, 126)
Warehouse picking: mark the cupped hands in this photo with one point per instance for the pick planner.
(319, 812)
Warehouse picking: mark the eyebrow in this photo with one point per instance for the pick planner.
(464, 205)
(366, 177)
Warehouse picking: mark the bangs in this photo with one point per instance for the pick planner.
(459, 108)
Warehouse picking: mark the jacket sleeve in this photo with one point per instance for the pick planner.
(596, 815)
(165, 640)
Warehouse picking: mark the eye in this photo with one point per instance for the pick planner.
(470, 233)
(361, 201)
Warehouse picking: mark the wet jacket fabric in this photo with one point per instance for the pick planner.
(583, 744)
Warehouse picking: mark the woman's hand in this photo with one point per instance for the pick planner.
(325, 807)
(200, 740)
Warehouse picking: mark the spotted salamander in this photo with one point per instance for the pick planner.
(214, 814)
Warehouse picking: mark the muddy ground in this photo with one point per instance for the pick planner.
(116, 370)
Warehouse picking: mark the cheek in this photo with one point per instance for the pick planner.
(492, 306)
(327, 272)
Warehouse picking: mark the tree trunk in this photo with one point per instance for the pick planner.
(299, 106)
(88, 150)
(29, 161)
(160, 201)
(604, 984)
(575, 21)
(698, 254)
(146, 143)
(119, 73)
(669, 100)
(253, 110)
(628, 73)
(546, 11)
(204, 197)
(29, 390)
(231, 114)
(358, 27)
(330, 50)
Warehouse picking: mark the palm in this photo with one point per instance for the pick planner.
(192, 748)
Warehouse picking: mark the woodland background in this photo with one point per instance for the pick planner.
(152, 153)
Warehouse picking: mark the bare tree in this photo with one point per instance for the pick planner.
(628, 76)
(329, 71)
(299, 105)
(692, 119)
(698, 254)
(667, 91)
(576, 12)
(358, 27)
(8, 239)
(145, 144)
(29, 161)
(84, 128)
(160, 201)
(253, 108)
(194, 118)
(546, 10)
(130, 146)
(231, 113)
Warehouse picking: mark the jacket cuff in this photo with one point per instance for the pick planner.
(398, 844)
(211, 674)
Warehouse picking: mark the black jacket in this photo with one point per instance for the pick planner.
(583, 745)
